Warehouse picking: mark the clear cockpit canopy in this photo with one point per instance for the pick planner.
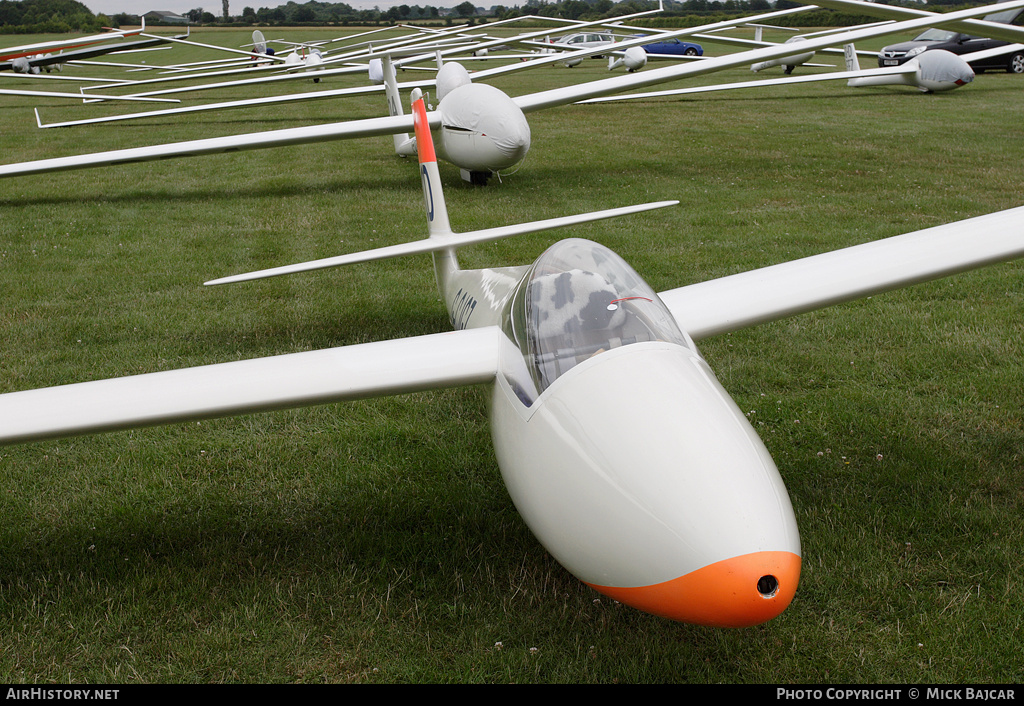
(578, 300)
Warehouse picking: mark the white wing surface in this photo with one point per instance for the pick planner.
(298, 379)
(371, 127)
(77, 96)
(813, 78)
(442, 242)
(978, 28)
(779, 291)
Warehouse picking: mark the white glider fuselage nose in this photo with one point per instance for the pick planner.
(482, 129)
(640, 475)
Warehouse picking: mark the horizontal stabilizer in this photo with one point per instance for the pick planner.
(437, 243)
(298, 379)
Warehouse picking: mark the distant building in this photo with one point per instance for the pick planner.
(165, 16)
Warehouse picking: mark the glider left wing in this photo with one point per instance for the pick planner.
(392, 367)
(63, 57)
(60, 44)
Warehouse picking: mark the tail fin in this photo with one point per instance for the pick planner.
(433, 195)
(852, 62)
(403, 144)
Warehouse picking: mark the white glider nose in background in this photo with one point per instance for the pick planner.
(482, 129)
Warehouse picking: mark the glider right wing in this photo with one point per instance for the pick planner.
(779, 291)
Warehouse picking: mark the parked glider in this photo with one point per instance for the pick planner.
(619, 447)
(412, 48)
(404, 53)
(27, 58)
(789, 63)
(34, 63)
(930, 72)
(480, 129)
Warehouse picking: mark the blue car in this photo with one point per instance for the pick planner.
(675, 47)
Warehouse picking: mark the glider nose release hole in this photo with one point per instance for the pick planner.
(768, 586)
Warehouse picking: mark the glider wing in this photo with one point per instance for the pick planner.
(779, 291)
(298, 379)
(979, 28)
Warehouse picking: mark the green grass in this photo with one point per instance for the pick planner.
(374, 541)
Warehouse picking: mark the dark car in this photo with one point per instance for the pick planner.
(959, 43)
(676, 47)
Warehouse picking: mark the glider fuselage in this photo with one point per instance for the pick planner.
(619, 447)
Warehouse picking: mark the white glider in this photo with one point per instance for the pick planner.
(619, 447)
(18, 58)
(930, 72)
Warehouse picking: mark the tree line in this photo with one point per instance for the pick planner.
(64, 16)
(49, 17)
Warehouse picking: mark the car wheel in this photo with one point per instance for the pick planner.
(691, 52)
(1016, 65)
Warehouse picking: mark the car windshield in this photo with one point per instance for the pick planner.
(579, 300)
(935, 35)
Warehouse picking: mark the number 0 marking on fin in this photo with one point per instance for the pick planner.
(428, 193)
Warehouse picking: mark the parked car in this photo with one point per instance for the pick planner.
(959, 43)
(587, 40)
(676, 47)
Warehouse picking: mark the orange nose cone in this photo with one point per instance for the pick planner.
(734, 593)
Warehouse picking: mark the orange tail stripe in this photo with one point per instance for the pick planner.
(424, 141)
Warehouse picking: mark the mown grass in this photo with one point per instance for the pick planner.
(374, 541)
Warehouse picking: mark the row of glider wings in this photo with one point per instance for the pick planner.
(408, 51)
(352, 58)
(526, 103)
(403, 54)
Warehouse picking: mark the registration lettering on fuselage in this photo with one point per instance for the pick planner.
(462, 309)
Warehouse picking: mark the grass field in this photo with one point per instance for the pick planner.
(374, 541)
